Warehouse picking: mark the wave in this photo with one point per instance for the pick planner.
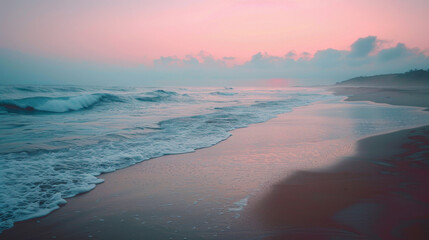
(58, 104)
(159, 96)
(223, 93)
(40, 89)
(163, 92)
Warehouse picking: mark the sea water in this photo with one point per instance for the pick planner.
(56, 140)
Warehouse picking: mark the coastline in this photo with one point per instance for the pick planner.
(206, 194)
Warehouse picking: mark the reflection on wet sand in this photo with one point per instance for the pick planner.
(372, 195)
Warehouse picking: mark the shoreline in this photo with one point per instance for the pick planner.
(120, 186)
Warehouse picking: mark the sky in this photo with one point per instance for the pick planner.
(194, 42)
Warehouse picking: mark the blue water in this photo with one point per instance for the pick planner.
(56, 140)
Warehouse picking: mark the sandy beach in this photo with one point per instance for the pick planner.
(378, 193)
(299, 176)
(375, 194)
(394, 96)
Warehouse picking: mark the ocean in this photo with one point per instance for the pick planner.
(56, 140)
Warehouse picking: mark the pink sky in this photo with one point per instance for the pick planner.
(139, 31)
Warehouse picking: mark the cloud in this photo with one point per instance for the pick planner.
(290, 54)
(328, 58)
(363, 46)
(167, 61)
(228, 58)
(400, 51)
(325, 67)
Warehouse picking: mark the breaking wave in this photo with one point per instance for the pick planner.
(57, 104)
(160, 96)
(223, 93)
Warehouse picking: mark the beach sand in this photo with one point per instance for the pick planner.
(287, 177)
(394, 96)
(372, 195)
(381, 192)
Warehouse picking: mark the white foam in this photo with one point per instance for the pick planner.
(69, 104)
(240, 204)
(54, 104)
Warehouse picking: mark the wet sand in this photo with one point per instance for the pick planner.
(381, 192)
(260, 184)
(375, 194)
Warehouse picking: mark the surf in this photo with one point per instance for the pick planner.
(56, 104)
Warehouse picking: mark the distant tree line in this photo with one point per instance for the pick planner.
(417, 73)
